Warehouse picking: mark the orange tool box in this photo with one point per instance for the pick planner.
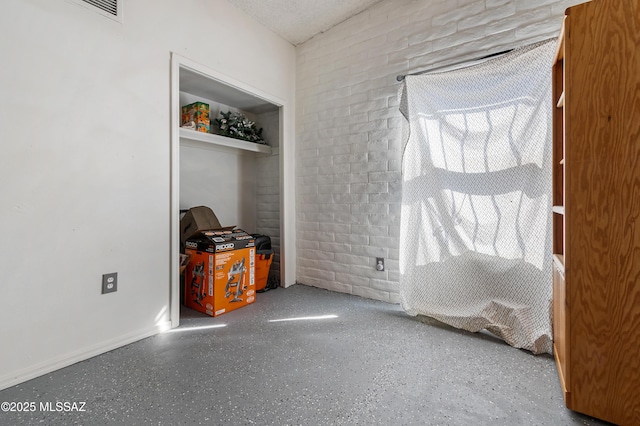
(220, 276)
(264, 257)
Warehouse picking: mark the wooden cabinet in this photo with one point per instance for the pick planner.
(596, 197)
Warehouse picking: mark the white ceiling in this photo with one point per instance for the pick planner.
(299, 20)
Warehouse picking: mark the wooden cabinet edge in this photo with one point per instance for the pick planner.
(563, 384)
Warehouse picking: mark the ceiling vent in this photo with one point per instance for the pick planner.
(109, 8)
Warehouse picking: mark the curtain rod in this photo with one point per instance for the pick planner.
(401, 77)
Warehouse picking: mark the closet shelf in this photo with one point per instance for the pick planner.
(558, 209)
(212, 140)
(558, 259)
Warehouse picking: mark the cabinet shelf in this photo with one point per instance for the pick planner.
(560, 103)
(558, 209)
(211, 140)
(558, 260)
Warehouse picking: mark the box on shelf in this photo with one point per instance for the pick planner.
(220, 276)
(198, 113)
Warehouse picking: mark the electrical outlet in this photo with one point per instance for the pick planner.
(380, 263)
(109, 282)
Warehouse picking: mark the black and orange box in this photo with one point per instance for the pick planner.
(198, 113)
(220, 276)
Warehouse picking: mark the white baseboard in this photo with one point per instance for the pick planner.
(51, 365)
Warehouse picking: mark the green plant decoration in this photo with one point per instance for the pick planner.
(236, 125)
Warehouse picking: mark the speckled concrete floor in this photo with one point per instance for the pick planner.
(369, 365)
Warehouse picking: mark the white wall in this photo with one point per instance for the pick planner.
(222, 180)
(85, 161)
(349, 142)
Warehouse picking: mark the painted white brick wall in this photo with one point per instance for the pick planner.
(348, 177)
(268, 189)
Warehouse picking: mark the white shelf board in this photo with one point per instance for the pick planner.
(197, 83)
(211, 139)
(558, 259)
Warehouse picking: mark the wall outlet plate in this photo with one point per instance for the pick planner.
(109, 283)
(379, 263)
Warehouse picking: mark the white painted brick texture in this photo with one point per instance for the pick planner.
(349, 137)
(268, 205)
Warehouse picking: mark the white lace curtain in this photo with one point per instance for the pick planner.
(475, 245)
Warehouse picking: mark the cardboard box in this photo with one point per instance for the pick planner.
(220, 276)
(184, 261)
(198, 113)
(198, 219)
